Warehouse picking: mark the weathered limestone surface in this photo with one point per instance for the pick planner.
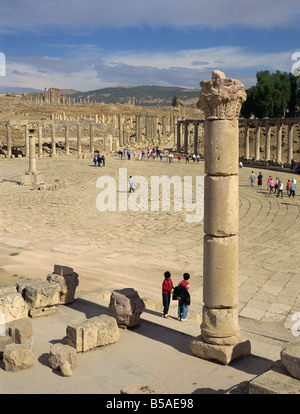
(275, 381)
(12, 304)
(21, 331)
(126, 306)
(97, 331)
(220, 353)
(140, 389)
(39, 294)
(290, 358)
(17, 357)
(67, 280)
(59, 354)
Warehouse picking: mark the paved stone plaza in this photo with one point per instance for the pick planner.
(133, 249)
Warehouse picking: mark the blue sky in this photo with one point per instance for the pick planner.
(92, 44)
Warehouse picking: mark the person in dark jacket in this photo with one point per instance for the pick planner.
(184, 300)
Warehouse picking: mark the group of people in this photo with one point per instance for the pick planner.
(180, 293)
(276, 186)
(152, 153)
(99, 160)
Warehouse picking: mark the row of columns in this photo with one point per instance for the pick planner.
(183, 129)
(290, 124)
(108, 140)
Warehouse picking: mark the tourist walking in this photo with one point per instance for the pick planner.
(252, 178)
(271, 185)
(259, 179)
(276, 185)
(292, 189)
(280, 189)
(95, 160)
(131, 184)
(179, 157)
(184, 299)
(167, 288)
(288, 187)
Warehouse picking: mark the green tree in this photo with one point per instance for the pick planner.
(174, 101)
(273, 95)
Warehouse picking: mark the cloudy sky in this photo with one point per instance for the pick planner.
(92, 44)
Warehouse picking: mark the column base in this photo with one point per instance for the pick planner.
(220, 353)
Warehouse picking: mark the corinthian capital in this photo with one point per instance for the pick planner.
(221, 98)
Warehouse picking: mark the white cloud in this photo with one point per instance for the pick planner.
(90, 14)
(185, 68)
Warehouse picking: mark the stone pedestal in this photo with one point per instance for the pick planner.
(220, 337)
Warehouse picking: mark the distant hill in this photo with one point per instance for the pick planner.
(17, 90)
(141, 95)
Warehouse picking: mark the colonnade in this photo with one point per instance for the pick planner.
(108, 142)
(245, 125)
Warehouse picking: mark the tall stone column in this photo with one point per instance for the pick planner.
(40, 141)
(186, 137)
(178, 136)
(196, 137)
(290, 143)
(32, 158)
(53, 141)
(220, 338)
(8, 136)
(268, 143)
(79, 134)
(257, 142)
(67, 140)
(279, 143)
(91, 138)
(121, 122)
(26, 142)
(247, 148)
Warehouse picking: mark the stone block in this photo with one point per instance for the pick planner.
(39, 295)
(21, 331)
(67, 280)
(220, 326)
(220, 268)
(59, 354)
(220, 353)
(5, 340)
(275, 381)
(17, 357)
(221, 205)
(290, 358)
(220, 135)
(126, 306)
(12, 304)
(91, 333)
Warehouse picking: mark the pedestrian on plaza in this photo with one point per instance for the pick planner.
(293, 188)
(103, 159)
(198, 158)
(161, 156)
(184, 299)
(288, 187)
(99, 159)
(271, 185)
(131, 184)
(187, 158)
(179, 157)
(259, 179)
(276, 185)
(280, 189)
(252, 178)
(95, 160)
(167, 288)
